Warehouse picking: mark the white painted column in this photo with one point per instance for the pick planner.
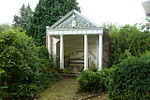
(55, 41)
(85, 52)
(48, 41)
(61, 52)
(49, 44)
(100, 50)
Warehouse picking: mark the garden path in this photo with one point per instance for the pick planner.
(64, 89)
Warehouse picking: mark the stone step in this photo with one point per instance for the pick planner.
(70, 74)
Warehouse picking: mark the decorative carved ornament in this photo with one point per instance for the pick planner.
(75, 22)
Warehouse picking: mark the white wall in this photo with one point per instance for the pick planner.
(73, 47)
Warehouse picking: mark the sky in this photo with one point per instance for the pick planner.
(99, 11)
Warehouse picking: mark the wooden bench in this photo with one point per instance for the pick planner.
(76, 61)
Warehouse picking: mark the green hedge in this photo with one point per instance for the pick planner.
(131, 79)
(127, 38)
(92, 81)
(89, 81)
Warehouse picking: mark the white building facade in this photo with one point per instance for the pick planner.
(74, 37)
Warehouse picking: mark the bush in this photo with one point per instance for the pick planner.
(43, 80)
(4, 27)
(18, 60)
(131, 79)
(93, 67)
(92, 81)
(89, 81)
(24, 67)
(127, 38)
(45, 63)
(106, 77)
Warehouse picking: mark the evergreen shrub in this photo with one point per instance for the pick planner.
(18, 60)
(92, 81)
(127, 38)
(131, 79)
(89, 81)
(24, 68)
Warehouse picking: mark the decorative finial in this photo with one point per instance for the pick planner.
(47, 27)
(73, 16)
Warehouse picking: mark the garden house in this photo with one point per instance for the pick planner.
(75, 41)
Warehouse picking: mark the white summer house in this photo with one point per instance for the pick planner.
(76, 41)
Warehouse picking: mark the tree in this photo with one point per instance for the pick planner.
(47, 13)
(4, 27)
(23, 20)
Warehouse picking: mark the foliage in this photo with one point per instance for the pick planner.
(93, 67)
(106, 77)
(43, 80)
(126, 40)
(21, 75)
(4, 27)
(92, 81)
(47, 74)
(23, 20)
(89, 81)
(47, 12)
(45, 62)
(18, 55)
(131, 79)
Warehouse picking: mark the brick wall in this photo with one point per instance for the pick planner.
(105, 47)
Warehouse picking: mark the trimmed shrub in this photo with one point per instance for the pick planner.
(131, 79)
(106, 77)
(89, 81)
(92, 81)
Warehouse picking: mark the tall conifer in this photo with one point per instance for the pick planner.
(47, 12)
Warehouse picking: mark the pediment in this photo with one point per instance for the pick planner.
(74, 20)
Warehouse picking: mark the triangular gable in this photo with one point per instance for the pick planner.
(74, 20)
